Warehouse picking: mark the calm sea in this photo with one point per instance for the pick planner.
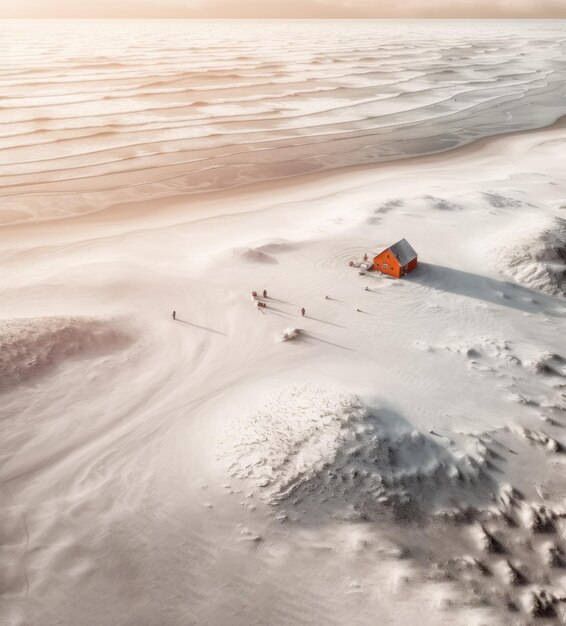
(99, 111)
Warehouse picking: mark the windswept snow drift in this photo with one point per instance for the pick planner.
(533, 252)
(313, 444)
(263, 251)
(250, 255)
(33, 346)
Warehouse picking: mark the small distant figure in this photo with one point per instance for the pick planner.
(366, 288)
(254, 294)
(359, 310)
(265, 293)
(366, 256)
(326, 298)
(174, 315)
(303, 311)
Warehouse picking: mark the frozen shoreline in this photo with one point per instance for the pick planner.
(172, 210)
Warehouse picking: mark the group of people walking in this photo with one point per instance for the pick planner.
(259, 303)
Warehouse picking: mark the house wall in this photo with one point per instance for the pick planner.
(412, 265)
(393, 268)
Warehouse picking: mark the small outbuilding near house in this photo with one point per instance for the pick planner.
(397, 260)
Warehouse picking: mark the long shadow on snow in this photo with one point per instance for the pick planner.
(210, 330)
(498, 292)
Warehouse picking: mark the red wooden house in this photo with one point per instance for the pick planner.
(397, 260)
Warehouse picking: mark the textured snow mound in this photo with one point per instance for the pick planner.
(263, 251)
(313, 444)
(251, 255)
(289, 334)
(33, 346)
(533, 252)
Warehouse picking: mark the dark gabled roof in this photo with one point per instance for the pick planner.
(403, 252)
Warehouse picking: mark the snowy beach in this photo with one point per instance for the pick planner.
(399, 461)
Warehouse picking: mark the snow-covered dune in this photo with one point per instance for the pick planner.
(314, 447)
(533, 252)
(31, 347)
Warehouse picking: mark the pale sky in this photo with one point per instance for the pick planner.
(284, 8)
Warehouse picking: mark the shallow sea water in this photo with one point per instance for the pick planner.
(142, 109)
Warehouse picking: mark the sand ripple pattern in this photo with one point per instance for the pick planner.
(95, 113)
